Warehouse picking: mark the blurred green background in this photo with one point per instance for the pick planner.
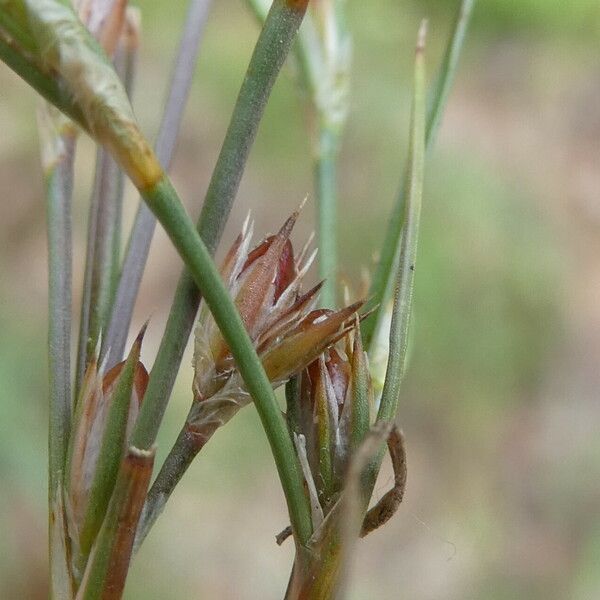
(501, 407)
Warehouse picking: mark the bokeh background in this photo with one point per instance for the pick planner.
(501, 406)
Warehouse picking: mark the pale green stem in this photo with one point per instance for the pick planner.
(59, 183)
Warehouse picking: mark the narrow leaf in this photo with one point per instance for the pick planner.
(408, 247)
(57, 156)
(383, 279)
(324, 426)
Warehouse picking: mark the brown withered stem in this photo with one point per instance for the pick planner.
(109, 562)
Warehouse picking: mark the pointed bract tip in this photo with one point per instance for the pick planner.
(140, 336)
(358, 347)
(246, 224)
(366, 314)
(286, 228)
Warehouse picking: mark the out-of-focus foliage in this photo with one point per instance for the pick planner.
(576, 17)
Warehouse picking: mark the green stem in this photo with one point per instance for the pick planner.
(164, 203)
(268, 57)
(441, 91)
(382, 284)
(266, 62)
(401, 314)
(327, 218)
(185, 449)
(59, 183)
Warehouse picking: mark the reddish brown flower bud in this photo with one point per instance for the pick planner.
(88, 432)
(266, 285)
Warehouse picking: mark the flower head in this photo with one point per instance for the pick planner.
(287, 331)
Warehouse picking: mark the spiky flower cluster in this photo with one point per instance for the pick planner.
(287, 331)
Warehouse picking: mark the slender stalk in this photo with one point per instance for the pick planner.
(99, 268)
(59, 183)
(268, 57)
(327, 217)
(266, 62)
(180, 457)
(441, 91)
(382, 284)
(144, 224)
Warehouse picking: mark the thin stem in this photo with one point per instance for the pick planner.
(99, 274)
(104, 237)
(382, 285)
(163, 201)
(186, 448)
(59, 184)
(327, 218)
(266, 62)
(268, 57)
(143, 227)
(441, 91)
